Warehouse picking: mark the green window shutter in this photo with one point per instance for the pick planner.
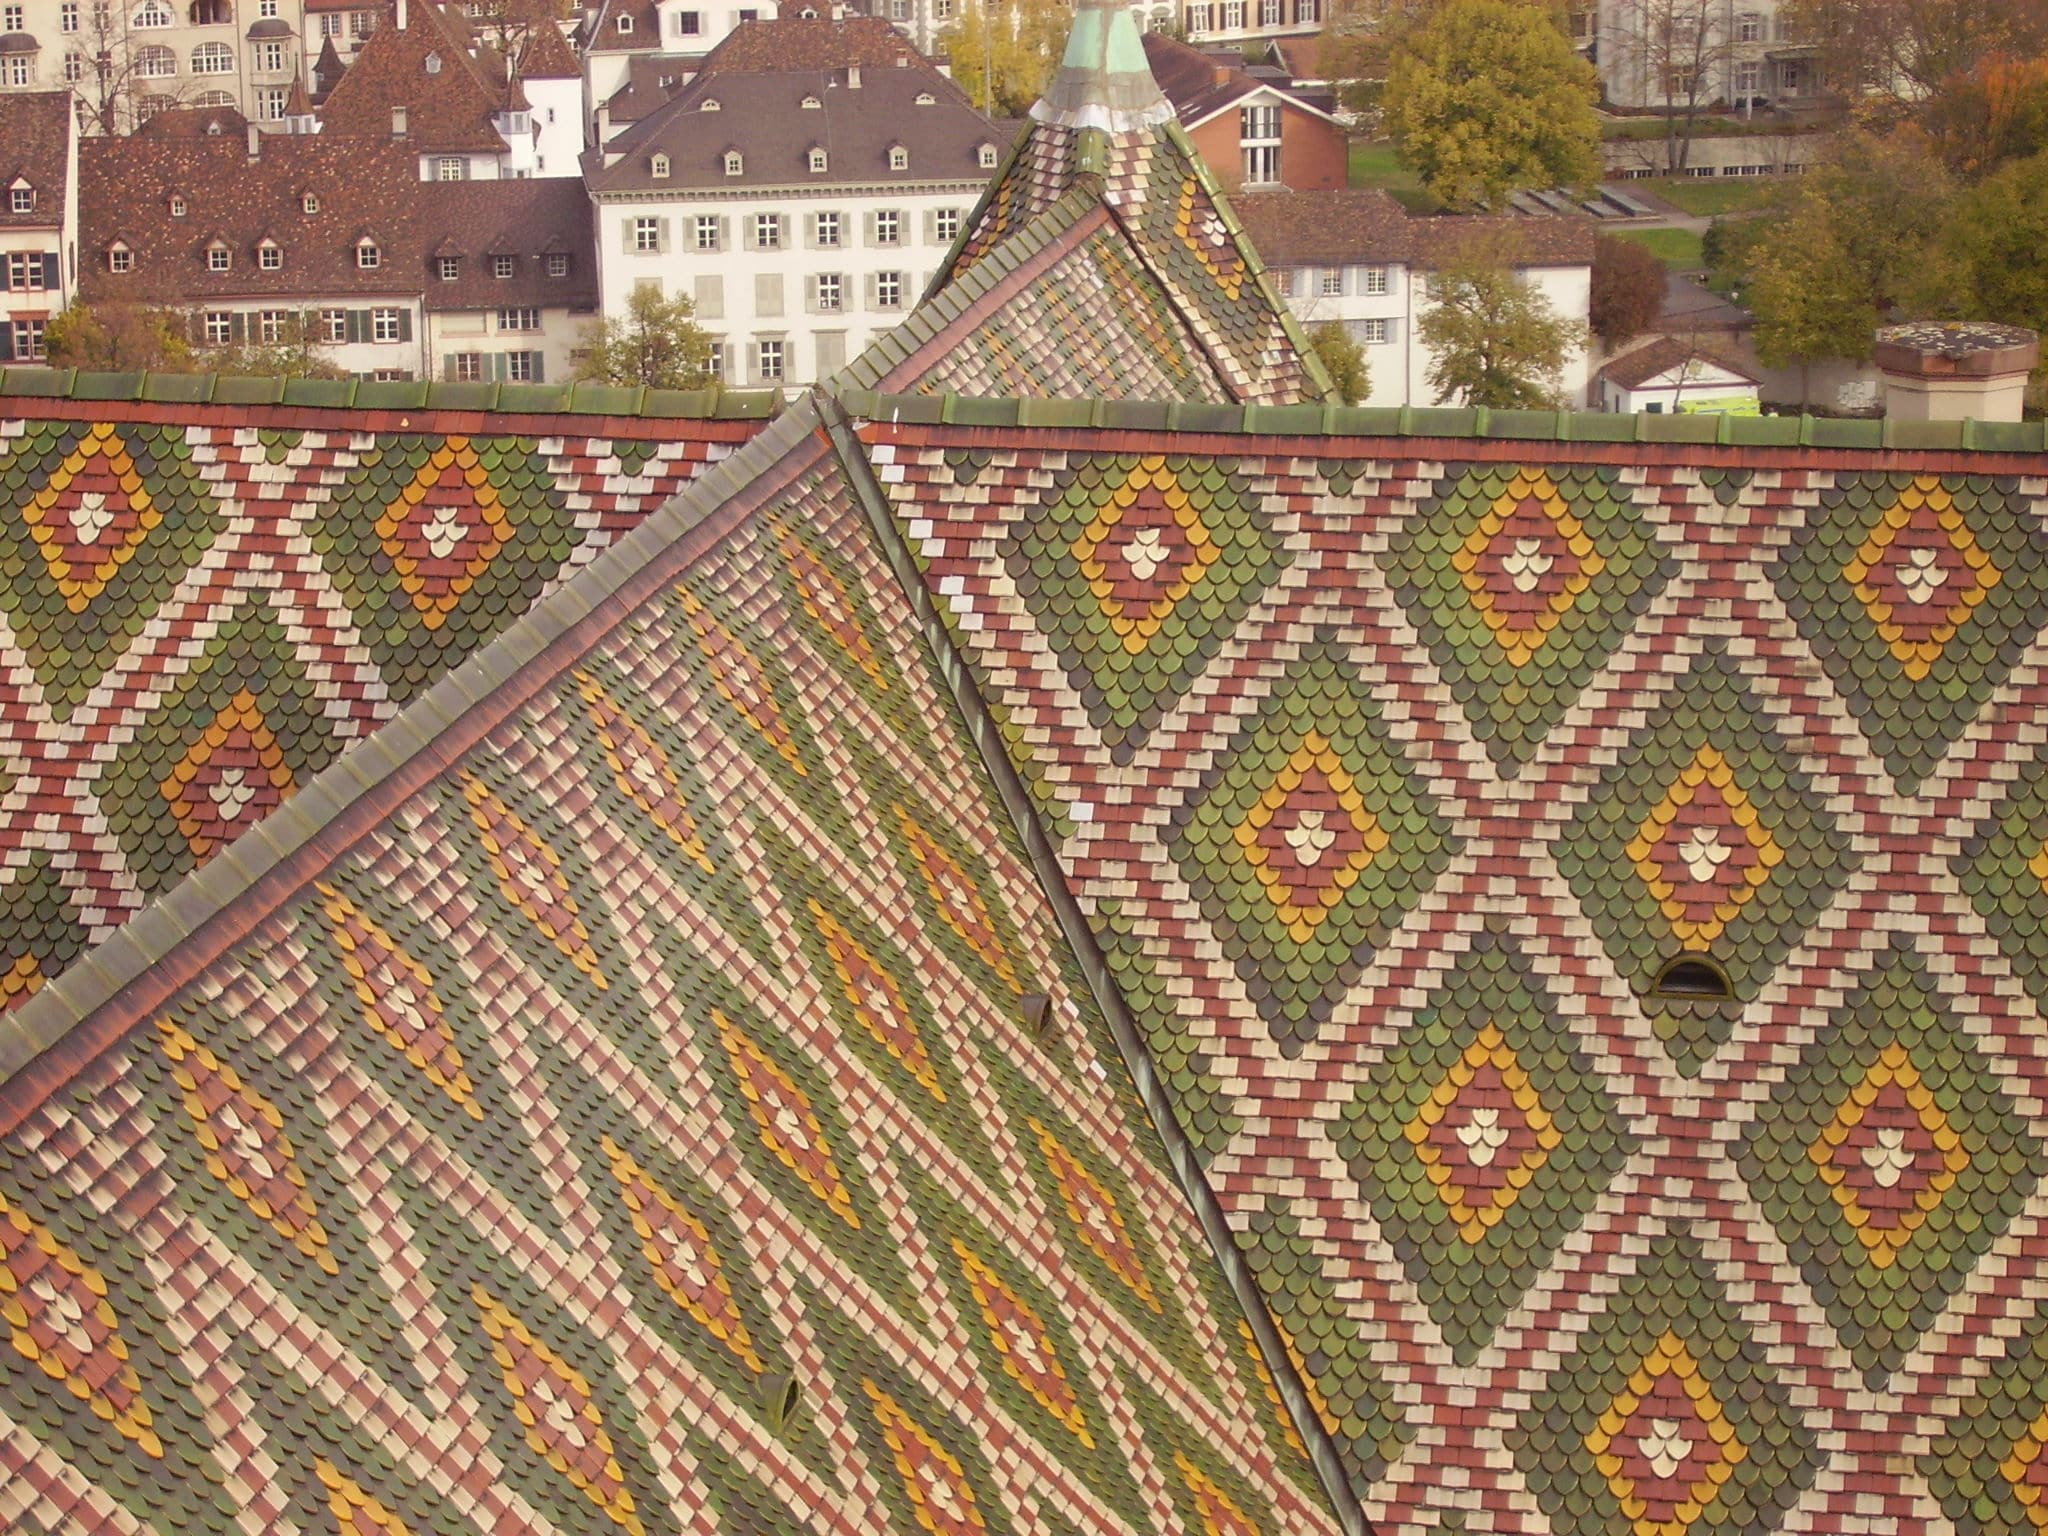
(448, 366)
(405, 325)
(53, 276)
(540, 367)
(494, 366)
(238, 326)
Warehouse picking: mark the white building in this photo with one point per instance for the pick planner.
(1665, 376)
(1739, 52)
(802, 208)
(38, 217)
(1358, 258)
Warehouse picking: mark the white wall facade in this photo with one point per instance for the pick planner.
(1748, 51)
(797, 309)
(1237, 21)
(38, 261)
(517, 346)
(1380, 305)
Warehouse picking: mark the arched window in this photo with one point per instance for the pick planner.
(735, 162)
(213, 59)
(153, 13)
(1691, 977)
(155, 62)
(816, 161)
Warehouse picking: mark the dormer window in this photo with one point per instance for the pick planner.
(624, 24)
(501, 267)
(21, 198)
(708, 104)
(985, 157)
(926, 99)
(368, 257)
(899, 158)
(270, 256)
(811, 104)
(309, 202)
(816, 160)
(120, 257)
(735, 162)
(658, 168)
(433, 64)
(177, 207)
(218, 257)
(447, 268)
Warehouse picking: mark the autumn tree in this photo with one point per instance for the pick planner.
(1486, 97)
(657, 343)
(1494, 340)
(1343, 359)
(124, 72)
(1913, 50)
(119, 338)
(1357, 49)
(1680, 52)
(1989, 252)
(1995, 115)
(1003, 52)
(1628, 289)
(294, 353)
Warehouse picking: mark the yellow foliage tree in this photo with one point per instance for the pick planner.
(1003, 54)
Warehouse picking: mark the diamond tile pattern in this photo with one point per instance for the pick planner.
(1492, 1183)
(638, 1129)
(203, 614)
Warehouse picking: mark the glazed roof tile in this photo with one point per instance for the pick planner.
(915, 1228)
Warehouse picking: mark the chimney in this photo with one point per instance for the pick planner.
(1223, 74)
(398, 122)
(255, 141)
(401, 15)
(1950, 370)
(853, 77)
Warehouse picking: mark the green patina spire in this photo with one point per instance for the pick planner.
(1103, 81)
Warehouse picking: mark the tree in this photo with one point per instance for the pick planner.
(125, 73)
(1991, 245)
(1003, 52)
(658, 344)
(1494, 339)
(1628, 289)
(1486, 97)
(1910, 51)
(1343, 360)
(295, 354)
(1358, 46)
(1680, 51)
(119, 338)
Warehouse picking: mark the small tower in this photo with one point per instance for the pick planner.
(1949, 371)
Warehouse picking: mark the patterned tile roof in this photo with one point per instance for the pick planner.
(1394, 771)
(655, 1094)
(205, 606)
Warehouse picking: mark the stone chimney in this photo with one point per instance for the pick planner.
(1950, 370)
(255, 141)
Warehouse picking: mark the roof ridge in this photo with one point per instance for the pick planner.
(60, 1030)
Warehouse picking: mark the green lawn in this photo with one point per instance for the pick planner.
(1373, 164)
(1709, 198)
(1677, 248)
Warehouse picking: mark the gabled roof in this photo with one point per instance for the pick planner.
(1331, 228)
(862, 112)
(1667, 354)
(1201, 84)
(545, 54)
(813, 43)
(35, 133)
(431, 68)
(194, 123)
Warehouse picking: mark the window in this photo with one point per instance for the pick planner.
(1233, 15)
(768, 231)
(451, 168)
(383, 325)
(830, 292)
(67, 16)
(267, 9)
(689, 23)
(1748, 79)
(888, 290)
(120, 259)
(466, 367)
(708, 104)
(888, 227)
(1197, 20)
(74, 69)
(309, 202)
(155, 62)
(624, 24)
(522, 367)
(657, 167)
(1691, 976)
(816, 161)
(24, 271)
(942, 10)
(1375, 333)
(1307, 11)
(501, 267)
(368, 257)
(811, 104)
(177, 207)
(18, 71)
(768, 361)
(21, 199)
(219, 328)
(153, 13)
(271, 101)
(1373, 281)
(946, 225)
(13, 18)
(899, 158)
(361, 24)
(219, 258)
(213, 59)
(270, 325)
(735, 162)
(1261, 165)
(331, 24)
(448, 268)
(557, 263)
(985, 157)
(518, 319)
(1269, 13)
(1749, 27)
(1333, 283)
(269, 56)
(334, 325)
(28, 341)
(709, 232)
(825, 230)
(646, 234)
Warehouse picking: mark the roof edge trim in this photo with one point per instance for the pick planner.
(66, 1025)
(1066, 909)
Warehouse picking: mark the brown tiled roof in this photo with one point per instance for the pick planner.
(1301, 57)
(1201, 84)
(761, 114)
(525, 219)
(363, 186)
(449, 109)
(1291, 229)
(546, 55)
(864, 42)
(195, 123)
(34, 130)
(1660, 355)
(1548, 241)
(605, 37)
